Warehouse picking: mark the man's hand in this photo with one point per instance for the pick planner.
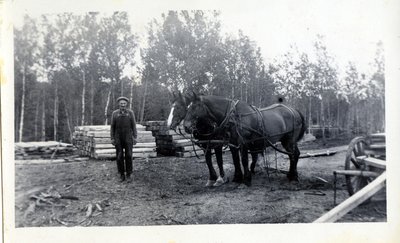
(134, 141)
(113, 142)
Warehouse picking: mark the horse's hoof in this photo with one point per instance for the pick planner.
(210, 183)
(237, 179)
(293, 177)
(247, 182)
(220, 181)
(247, 179)
(242, 186)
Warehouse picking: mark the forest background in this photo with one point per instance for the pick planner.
(69, 69)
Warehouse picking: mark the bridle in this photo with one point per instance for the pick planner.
(230, 117)
(218, 130)
(212, 120)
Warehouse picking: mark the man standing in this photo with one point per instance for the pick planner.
(123, 137)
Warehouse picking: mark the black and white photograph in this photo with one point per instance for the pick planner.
(200, 121)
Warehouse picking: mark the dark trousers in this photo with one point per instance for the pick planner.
(124, 157)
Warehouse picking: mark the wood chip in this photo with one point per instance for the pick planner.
(89, 210)
(30, 210)
(98, 207)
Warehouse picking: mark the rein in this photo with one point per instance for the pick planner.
(261, 131)
(218, 128)
(229, 117)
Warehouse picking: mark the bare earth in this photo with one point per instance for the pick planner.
(171, 191)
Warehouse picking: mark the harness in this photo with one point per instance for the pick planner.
(218, 129)
(261, 131)
(232, 117)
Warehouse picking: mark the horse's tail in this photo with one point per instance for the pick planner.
(303, 126)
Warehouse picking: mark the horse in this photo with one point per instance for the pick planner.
(204, 134)
(248, 128)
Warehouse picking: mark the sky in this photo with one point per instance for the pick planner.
(351, 28)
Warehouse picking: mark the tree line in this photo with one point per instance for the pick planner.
(69, 70)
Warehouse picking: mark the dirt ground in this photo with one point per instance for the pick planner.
(171, 191)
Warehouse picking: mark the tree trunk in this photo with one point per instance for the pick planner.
(232, 89)
(323, 120)
(21, 121)
(143, 103)
(309, 114)
(338, 114)
(37, 118)
(55, 121)
(131, 96)
(122, 87)
(68, 122)
(91, 100)
(241, 90)
(253, 93)
(259, 92)
(246, 92)
(83, 98)
(357, 121)
(43, 133)
(107, 104)
(382, 103)
(328, 116)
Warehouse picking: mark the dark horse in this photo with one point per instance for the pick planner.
(248, 128)
(204, 133)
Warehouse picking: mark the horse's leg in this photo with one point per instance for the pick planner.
(296, 160)
(213, 174)
(238, 177)
(245, 163)
(254, 159)
(292, 148)
(221, 178)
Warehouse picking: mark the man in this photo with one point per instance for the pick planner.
(123, 137)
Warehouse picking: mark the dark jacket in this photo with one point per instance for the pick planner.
(123, 130)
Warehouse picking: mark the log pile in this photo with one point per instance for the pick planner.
(171, 143)
(49, 150)
(376, 145)
(95, 142)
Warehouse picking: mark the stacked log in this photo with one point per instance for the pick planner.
(376, 145)
(95, 141)
(45, 150)
(171, 143)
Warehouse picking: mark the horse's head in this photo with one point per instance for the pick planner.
(178, 110)
(196, 113)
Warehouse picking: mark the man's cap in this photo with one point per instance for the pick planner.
(122, 98)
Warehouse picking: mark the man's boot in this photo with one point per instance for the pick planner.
(129, 178)
(122, 178)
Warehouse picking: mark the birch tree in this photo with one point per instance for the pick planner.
(56, 56)
(325, 77)
(117, 45)
(26, 52)
(376, 90)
